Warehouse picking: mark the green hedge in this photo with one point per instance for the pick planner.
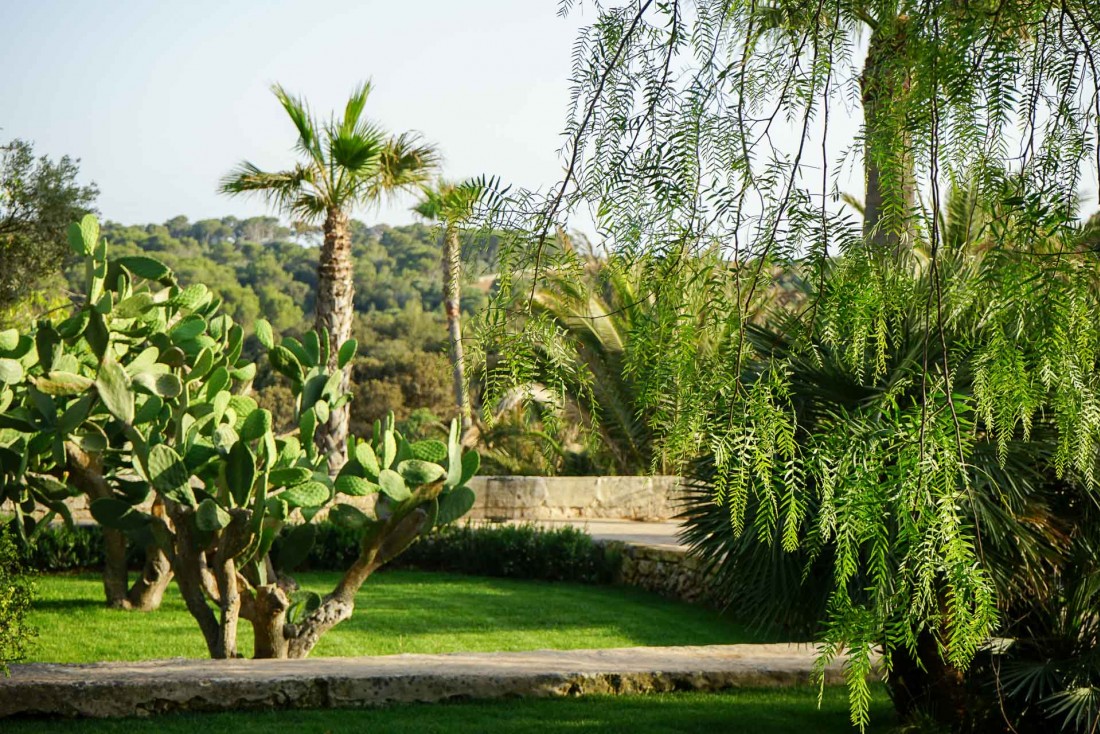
(511, 551)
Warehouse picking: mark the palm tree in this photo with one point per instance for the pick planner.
(344, 162)
(451, 204)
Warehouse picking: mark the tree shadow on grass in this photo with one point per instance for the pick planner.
(776, 711)
(67, 605)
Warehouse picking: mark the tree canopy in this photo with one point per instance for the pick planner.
(38, 199)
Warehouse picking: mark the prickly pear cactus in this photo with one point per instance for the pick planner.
(143, 393)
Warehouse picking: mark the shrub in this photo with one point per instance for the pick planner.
(508, 551)
(15, 600)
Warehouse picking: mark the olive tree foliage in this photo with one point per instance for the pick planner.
(708, 126)
(140, 400)
(38, 200)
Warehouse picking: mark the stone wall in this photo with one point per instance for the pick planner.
(666, 571)
(568, 498)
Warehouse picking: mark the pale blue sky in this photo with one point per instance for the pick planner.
(159, 98)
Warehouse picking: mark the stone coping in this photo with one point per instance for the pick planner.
(159, 686)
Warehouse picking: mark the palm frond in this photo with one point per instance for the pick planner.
(406, 163)
(303, 121)
(354, 108)
(282, 189)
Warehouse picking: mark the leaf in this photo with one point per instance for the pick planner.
(191, 297)
(296, 546)
(63, 383)
(187, 329)
(312, 346)
(75, 414)
(113, 385)
(364, 454)
(354, 486)
(149, 410)
(89, 233)
(244, 373)
(289, 476)
(307, 424)
(430, 450)
(9, 340)
(168, 474)
(76, 240)
(348, 516)
(11, 371)
(147, 267)
(240, 472)
(164, 385)
(263, 331)
(454, 457)
(134, 306)
(393, 486)
(210, 517)
(471, 462)
(256, 424)
(284, 361)
(243, 406)
(347, 351)
(454, 504)
(416, 472)
(307, 494)
(116, 514)
(389, 449)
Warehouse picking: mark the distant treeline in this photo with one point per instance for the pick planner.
(262, 268)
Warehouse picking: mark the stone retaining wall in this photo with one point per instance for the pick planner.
(545, 498)
(562, 498)
(670, 572)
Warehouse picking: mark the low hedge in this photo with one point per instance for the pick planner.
(509, 551)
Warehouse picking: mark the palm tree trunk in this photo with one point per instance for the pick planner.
(452, 281)
(887, 158)
(335, 308)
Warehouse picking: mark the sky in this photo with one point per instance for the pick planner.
(159, 99)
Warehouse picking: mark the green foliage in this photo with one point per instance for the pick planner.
(38, 200)
(162, 409)
(345, 161)
(506, 551)
(16, 593)
(503, 551)
(918, 386)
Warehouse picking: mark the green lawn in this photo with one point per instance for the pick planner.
(756, 711)
(396, 611)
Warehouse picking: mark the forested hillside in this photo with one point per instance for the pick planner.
(263, 269)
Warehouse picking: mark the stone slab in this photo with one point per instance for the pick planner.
(160, 686)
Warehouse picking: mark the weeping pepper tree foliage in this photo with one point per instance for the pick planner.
(139, 399)
(711, 125)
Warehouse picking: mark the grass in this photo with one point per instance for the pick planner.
(396, 612)
(759, 711)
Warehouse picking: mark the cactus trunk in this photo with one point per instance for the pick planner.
(452, 281)
(85, 472)
(335, 293)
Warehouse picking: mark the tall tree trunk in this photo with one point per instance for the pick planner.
(890, 194)
(335, 291)
(452, 285)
